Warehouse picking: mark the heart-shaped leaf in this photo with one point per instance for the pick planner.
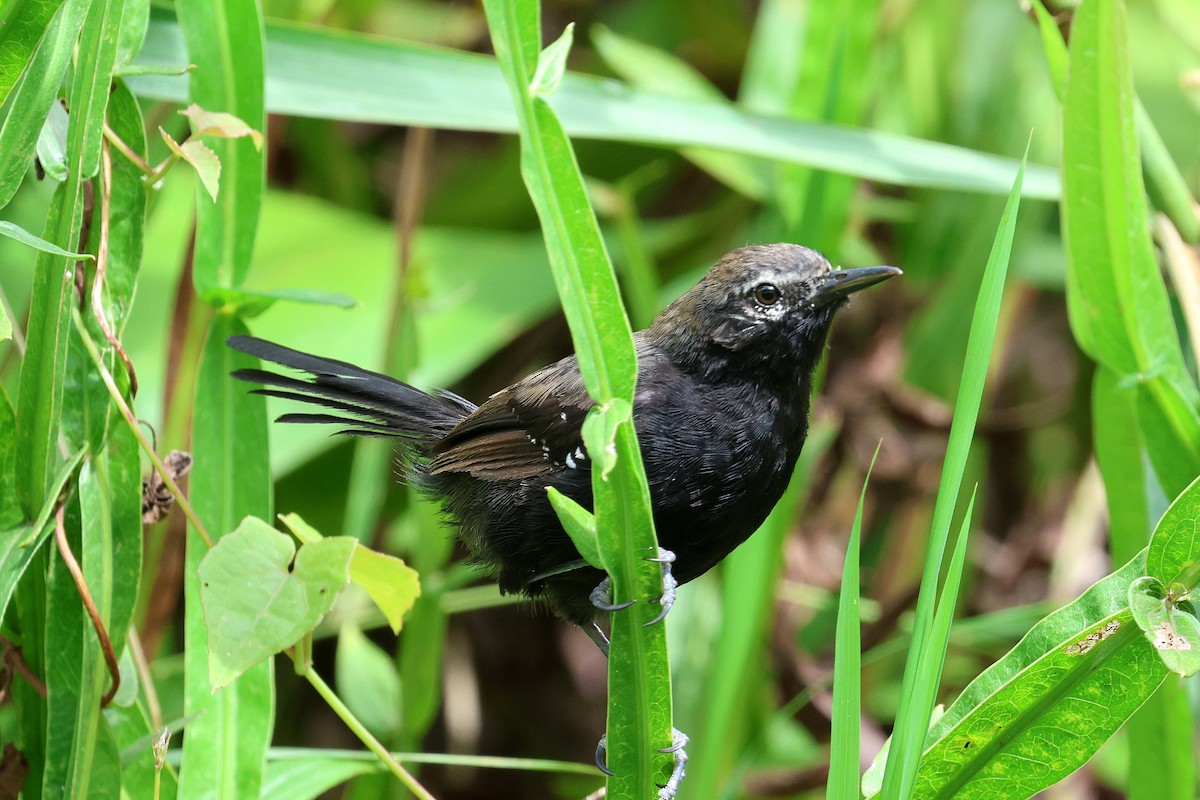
(260, 594)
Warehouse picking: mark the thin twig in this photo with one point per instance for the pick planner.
(127, 151)
(15, 659)
(180, 498)
(110, 655)
(134, 643)
(364, 735)
(102, 266)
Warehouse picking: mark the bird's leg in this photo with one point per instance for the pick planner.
(601, 598)
(669, 584)
(598, 638)
(679, 740)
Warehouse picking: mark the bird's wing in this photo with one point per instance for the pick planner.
(529, 429)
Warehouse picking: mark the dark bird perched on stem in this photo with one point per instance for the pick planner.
(720, 409)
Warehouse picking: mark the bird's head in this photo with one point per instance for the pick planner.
(766, 305)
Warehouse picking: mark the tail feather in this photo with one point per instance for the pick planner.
(371, 404)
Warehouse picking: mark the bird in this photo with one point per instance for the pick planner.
(720, 408)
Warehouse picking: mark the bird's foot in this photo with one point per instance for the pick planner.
(679, 740)
(601, 597)
(669, 584)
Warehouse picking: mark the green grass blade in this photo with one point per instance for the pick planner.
(843, 783)
(225, 745)
(225, 41)
(1116, 298)
(315, 73)
(43, 371)
(639, 710)
(912, 719)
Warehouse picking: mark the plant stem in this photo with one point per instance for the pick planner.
(364, 735)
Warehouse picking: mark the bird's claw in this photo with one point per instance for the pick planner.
(669, 584)
(679, 740)
(601, 597)
(601, 755)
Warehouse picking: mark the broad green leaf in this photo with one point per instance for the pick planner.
(225, 41)
(393, 585)
(921, 673)
(1049, 703)
(334, 75)
(227, 740)
(257, 602)
(368, 683)
(6, 333)
(1049, 720)
(1175, 547)
(580, 525)
(37, 88)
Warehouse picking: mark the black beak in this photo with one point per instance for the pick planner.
(839, 284)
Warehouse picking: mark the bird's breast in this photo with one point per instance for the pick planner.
(718, 459)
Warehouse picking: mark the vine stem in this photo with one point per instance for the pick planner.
(364, 735)
(68, 557)
(184, 504)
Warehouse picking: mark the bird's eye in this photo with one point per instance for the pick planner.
(767, 294)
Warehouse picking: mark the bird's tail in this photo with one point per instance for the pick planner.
(366, 403)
